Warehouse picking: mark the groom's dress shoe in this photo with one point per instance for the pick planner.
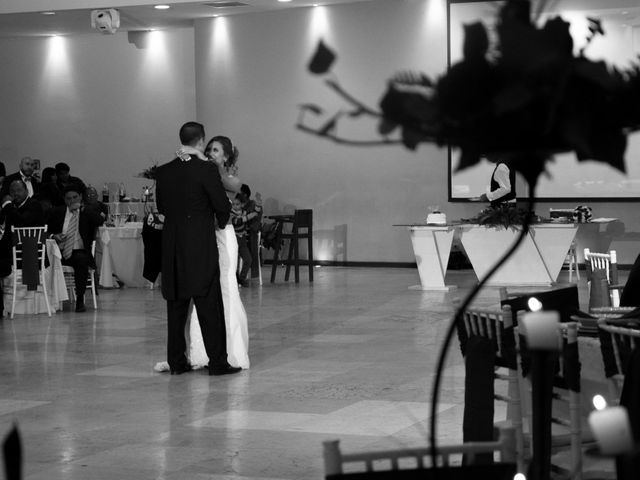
(223, 370)
(181, 370)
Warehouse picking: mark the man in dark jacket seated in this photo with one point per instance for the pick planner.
(25, 173)
(74, 228)
(18, 210)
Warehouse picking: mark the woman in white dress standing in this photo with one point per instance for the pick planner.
(221, 151)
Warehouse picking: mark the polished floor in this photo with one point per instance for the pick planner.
(349, 357)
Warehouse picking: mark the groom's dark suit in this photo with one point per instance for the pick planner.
(189, 194)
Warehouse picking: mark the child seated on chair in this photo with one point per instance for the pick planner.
(239, 221)
(254, 224)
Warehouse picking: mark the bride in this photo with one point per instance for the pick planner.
(221, 151)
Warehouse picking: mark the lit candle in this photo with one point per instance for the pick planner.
(611, 429)
(541, 330)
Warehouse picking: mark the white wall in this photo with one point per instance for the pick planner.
(251, 77)
(96, 102)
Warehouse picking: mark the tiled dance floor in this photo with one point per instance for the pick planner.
(350, 356)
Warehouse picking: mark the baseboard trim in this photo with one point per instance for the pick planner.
(331, 263)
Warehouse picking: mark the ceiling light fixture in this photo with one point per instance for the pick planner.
(284, 1)
(162, 7)
(48, 13)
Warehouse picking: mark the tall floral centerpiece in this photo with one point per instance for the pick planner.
(526, 100)
(530, 99)
(147, 190)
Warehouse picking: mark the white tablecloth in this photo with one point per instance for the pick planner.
(56, 287)
(123, 254)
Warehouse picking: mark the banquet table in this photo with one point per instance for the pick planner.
(431, 248)
(55, 283)
(122, 254)
(537, 261)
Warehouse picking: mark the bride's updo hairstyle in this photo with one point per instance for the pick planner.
(230, 151)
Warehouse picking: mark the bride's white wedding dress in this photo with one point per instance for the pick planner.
(234, 313)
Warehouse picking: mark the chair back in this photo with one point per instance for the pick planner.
(496, 328)
(566, 389)
(22, 235)
(29, 253)
(564, 300)
(303, 219)
(607, 262)
(617, 342)
(413, 459)
(494, 325)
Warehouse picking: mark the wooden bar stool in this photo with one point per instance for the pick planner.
(302, 227)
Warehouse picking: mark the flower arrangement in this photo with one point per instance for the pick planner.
(149, 173)
(524, 102)
(504, 215)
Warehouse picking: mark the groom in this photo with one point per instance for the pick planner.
(189, 194)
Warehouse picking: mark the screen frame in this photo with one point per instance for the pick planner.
(522, 195)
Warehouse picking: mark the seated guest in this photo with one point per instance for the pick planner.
(239, 221)
(92, 203)
(64, 179)
(254, 217)
(18, 210)
(74, 228)
(49, 194)
(26, 175)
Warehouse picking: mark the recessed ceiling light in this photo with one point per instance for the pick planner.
(284, 1)
(48, 13)
(161, 7)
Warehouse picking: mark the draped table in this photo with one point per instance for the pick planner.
(122, 254)
(431, 248)
(537, 261)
